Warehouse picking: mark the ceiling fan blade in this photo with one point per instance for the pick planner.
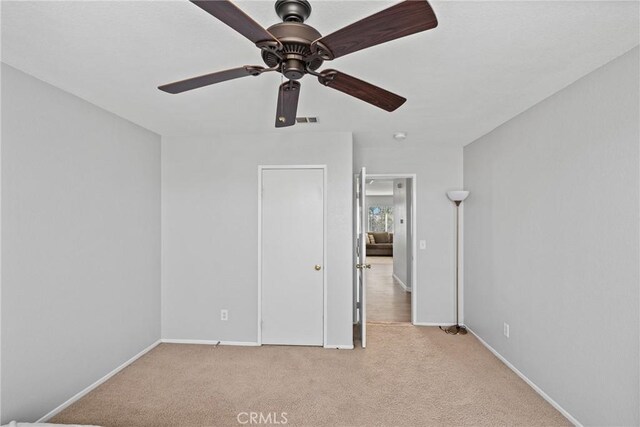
(287, 104)
(362, 90)
(403, 19)
(234, 17)
(209, 79)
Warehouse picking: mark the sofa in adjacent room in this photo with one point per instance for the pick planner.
(380, 244)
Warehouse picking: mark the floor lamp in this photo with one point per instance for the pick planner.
(457, 197)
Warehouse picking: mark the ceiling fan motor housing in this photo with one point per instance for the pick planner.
(296, 39)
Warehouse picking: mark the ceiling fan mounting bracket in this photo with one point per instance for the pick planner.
(322, 51)
(327, 77)
(312, 72)
(271, 46)
(291, 86)
(254, 70)
(293, 10)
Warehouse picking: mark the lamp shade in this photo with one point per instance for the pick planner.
(457, 196)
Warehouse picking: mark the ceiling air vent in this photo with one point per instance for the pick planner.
(306, 120)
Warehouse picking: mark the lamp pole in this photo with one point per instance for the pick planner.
(457, 197)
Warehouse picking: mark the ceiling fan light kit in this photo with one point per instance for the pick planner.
(296, 49)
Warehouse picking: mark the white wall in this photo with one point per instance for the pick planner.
(438, 168)
(551, 243)
(379, 201)
(210, 230)
(400, 241)
(409, 240)
(80, 244)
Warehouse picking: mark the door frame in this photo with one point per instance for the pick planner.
(414, 234)
(262, 168)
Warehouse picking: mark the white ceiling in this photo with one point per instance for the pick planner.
(485, 63)
(379, 187)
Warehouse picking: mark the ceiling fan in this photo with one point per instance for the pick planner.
(294, 49)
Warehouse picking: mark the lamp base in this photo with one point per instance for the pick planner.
(454, 330)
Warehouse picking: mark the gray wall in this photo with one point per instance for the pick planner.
(80, 244)
(210, 230)
(400, 241)
(438, 168)
(551, 243)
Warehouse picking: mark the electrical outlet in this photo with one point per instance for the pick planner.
(423, 244)
(506, 330)
(224, 315)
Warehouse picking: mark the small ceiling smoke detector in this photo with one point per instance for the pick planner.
(400, 136)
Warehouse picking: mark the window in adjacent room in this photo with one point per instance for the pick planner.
(381, 219)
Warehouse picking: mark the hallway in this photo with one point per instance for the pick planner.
(386, 300)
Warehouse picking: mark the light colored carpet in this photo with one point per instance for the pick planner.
(408, 376)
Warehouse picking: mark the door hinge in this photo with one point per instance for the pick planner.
(358, 305)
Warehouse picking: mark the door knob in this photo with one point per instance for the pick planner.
(318, 267)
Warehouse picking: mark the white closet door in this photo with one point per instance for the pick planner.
(292, 256)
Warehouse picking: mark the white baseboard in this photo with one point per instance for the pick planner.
(433, 323)
(84, 392)
(401, 283)
(537, 389)
(210, 342)
(236, 343)
(340, 347)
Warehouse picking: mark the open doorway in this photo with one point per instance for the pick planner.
(387, 227)
(384, 248)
